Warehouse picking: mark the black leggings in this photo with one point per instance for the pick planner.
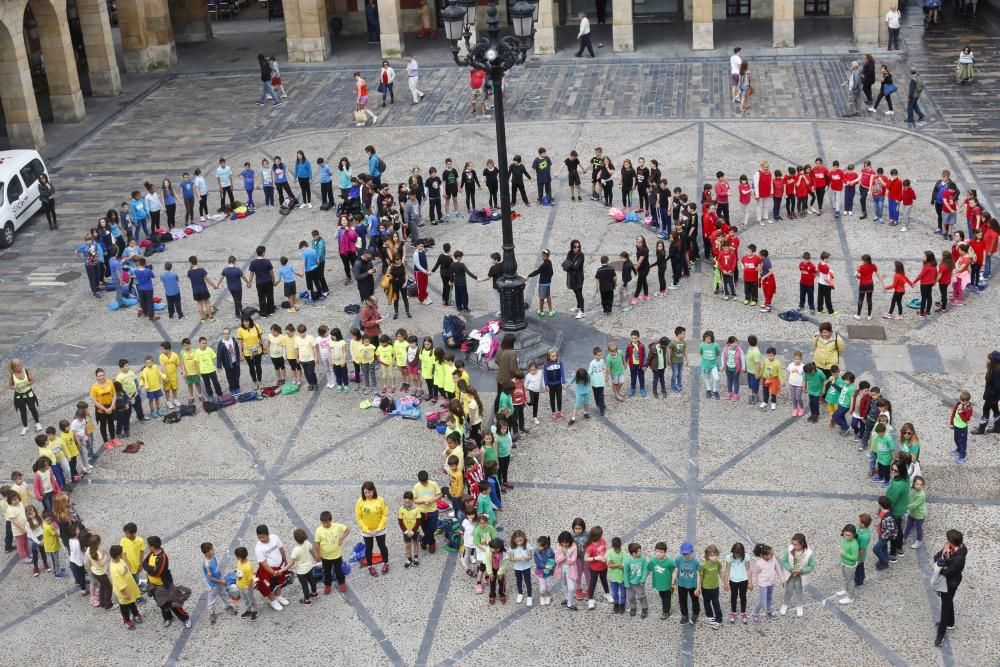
(897, 300)
(642, 283)
(129, 611)
(555, 398)
(578, 293)
(504, 462)
(661, 274)
(24, 404)
(738, 589)
(825, 297)
(926, 298)
(863, 296)
(400, 294)
(608, 192)
(306, 192)
(594, 576)
(494, 198)
(331, 568)
(307, 584)
(253, 362)
(819, 197)
(533, 399)
(523, 580)
(470, 198)
(990, 407)
(790, 205)
(384, 550)
(626, 197)
(434, 204)
(943, 289)
(348, 261)
(515, 188)
(106, 422)
(284, 187)
(171, 215)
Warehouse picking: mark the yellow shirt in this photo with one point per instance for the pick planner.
(439, 371)
(460, 453)
(456, 482)
(426, 363)
(386, 355)
(150, 378)
(154, 581)
(123, 582)
(276, 346)
(50, 538)
(129, 382)
(132, 550)
(206, 360)
(426, 492)
(169, 362)
(371, 514)
(22, 491)
(302, 555)
(244, 574)
(464, 376)
(289, 344)
(328, 540)
(250, 339)
(449, 378)
(367, 353)
(399, 350)
(190, 362)
(356, 346)
(409, 516)
(69, 444)
(305, 347)
(16, 515)
(49, 454)
(105, 395)
(95, 564)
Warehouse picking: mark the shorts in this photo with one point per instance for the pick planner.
(413, 369)
(582, 400)
(278, 363)
(451, 191)
(574, 178)
(151, 395)
(544, 290)
(202, 296)
(734, 79)
(618, 379)
(170, 383)
(595, 175)
(363, 100)
(290, 288)
(414, 538)
(866, 289)
(193, 380)
(294, 364)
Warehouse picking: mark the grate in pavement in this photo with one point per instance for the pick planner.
(67, 277)
(869, 332)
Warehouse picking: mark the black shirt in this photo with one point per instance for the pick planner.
(628, 179)
(596, 163)
(433, 184)
(450, 177)
(605, 278)
(492, 177)
(544, 272)
(470, 180)
(642, 177)
(495, 271)
(628, 270)
(643, 254)
(572, 164)
(443, 262)
(261, 268)
(518, 173)
(459, 271)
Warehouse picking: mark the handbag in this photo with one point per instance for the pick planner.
(381, 87)
(749, 91)
(889, 89)
(938, 583)
(359, 116)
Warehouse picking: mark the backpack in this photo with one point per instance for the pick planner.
(208, 405)
(453, 329)
(428, 241)
(791, 316)
(187, 410)
(288, 388)
(352, 309)
(432, 419)
(381, 166)
(247, 397)
(267, 392)
(172, 417)
(386, 405)
(226, 400)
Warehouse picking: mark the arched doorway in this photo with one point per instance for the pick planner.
(17, 97)
(52, 62)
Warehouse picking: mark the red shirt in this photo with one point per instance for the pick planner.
(807, 273)
(895, 189)
(717, 237)
(476, 79)
(948, 205)
(909, 196)
(944, 274)
(836, 180)
(722, 191)
(823, 269)
(727, 261)
(819, 177)
(865, 273)
(750, 264)
(990, 237)
(927, 275)
(972, 215)
(745, 190)
(851, 178)
(708, 224)
(802, 185)
(734, 242)
(899, 283)
(789, 185)
(763, 184)
(979, 247)
(954, 252)
(866, 177)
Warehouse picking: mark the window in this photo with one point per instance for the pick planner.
(817, 7)
(14, 190)
(737, 8)
(31, 171)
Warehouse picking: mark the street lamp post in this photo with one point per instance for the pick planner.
(494, 55)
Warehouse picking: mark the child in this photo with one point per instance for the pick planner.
(807, 281)
(831, 391)
(67, 443)
(276, 350)
(206, 357)
(519, 397)
(710, 354)
(898, 288)
(797, 564)
(76, 562)
(386, 357)
(767, 573)
(45, 484)
(504, 443)
(33, 523)
(216, 584)
(662, 569)
(245, 582)
(413, 376)
(555, 378)
(616, 575)
(482, 536)
(169, 363)
(678, 357)
(565, 560)
(961, 415)
(189, 366)
(545, 565)
(628, 270)
(687, 581)
(287, 275)
(752, 362)
(368, 364)
(399, 349)
(848, 550)
(882, 448)
(615, 361)
(151, 380)
(732, 356)
(521, 557)
(657, 359)
(771, 377)
(606, 281)
(844, 402)
(302, 565)
(916, 510)
(711, 568)
(824, 289)
(864, 539)
(886, 533)
(582, 401)
(745, 191)
(133, 547)
(595, 558)
(636, 568)
(468, 539)
(497, 562)
(909, 196)
(736, 579)
(126, 590)
(409, 522)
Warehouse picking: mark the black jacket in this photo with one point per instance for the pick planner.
(992, 392)
(544, 272)
(222, 354)
(573, 266)
(952, 566)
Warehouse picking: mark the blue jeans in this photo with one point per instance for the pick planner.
(618, 593)
(267, 90)
(764, 600)
(665, 222)
(961, 441)
(638, 374)
(118, 293)
(428, 524)
(881, 551)
(879, 203)
(849, 198)
(893, 210)
(676, 375)
(839, 418)
(140, 224)
(912, 105)
(732, 381)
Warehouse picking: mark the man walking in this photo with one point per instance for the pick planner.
(913, 95)
(584, 36)
(735, 61)
(892, 18)
(413, 78)
(853, 84)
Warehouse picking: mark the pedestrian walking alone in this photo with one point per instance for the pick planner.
(913, 96)
(265, 78)
(868, 78)
(892, 18)
(853, 84)
(413, 78)
(584, 36)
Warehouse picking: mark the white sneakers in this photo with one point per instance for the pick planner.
(520, 598)
(916, 545)
(283, 601)
(579, 315)
(783, 610)
(591, 604)
(844, 600)
(24, 431)
(798, 611)
(528, 603)
(275, 605)
(608, 598)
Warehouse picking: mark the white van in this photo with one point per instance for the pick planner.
(19, 172)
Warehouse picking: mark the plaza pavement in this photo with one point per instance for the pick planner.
(674, 469)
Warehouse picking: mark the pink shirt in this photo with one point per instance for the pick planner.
(766, 572)
(566, 562)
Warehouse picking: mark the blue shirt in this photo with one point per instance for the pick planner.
(187, 189)
(143, 279)
(310, 258)
(171, 286)
(303, 169)
(115, 266)
(169, 198)
(137, 207)
(373, 166)
(280, 175)
(687, 571)
(208, 567)
(325, 174)
(248, 179)
(197, 277)
(233, 276)
(225, 176)
(286, 273)
(199, 182)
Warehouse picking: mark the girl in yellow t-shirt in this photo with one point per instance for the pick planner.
(125, 587)
(97, 563)
(292, 354)
(276, 349)
(426, 359)
(357, 342)
(69, 447)
(151, 379)
(338, 359)
(169, 362)
(386, 356)
(399, 347)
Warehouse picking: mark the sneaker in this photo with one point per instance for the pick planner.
(644, 613)
(663, 616)
(889, 112)
(168, 622)
(305, 601)
(798, 611)
(756, 618)
(713, 624)
(916, 545)
(284, 602)
(684, 620)
(771, 615)
(528, 602)
(631, 612)
(783, 610)
(846, 600)
(535, 419)
(732, 617)
(479, 588)
(372, 571)
(743, 617)
(385, 568)
(275, 605)
(840, 593)
(187, 623)
(520, 598)
(590, 604)
(579, 315)
(342, 588)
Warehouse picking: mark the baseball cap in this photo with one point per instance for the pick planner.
(686, 548)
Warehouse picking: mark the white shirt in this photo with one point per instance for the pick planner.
(892, 19)
(584, 27)
(270, 552)
(734, 63)
(411, 68)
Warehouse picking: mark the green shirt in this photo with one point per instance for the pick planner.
(636, 570)
(709, 356)
(484, 505)
(506, 404)
(663, 573)
(503, 442)
(846, 396)
(917, 505)
(710, 573)
(678, 351)
(848, 552)
(616, 363)
(752, 360)
(616, 575)
(911, 447)
(834, 391)
(882, 446)
(864, 539)
(815, 382)
(899, 496)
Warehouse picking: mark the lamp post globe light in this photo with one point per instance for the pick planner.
(494, 55)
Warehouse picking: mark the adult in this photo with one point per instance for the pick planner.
(303, 174)
(372, 513)
(346, 175)
(254, 344)
(913, 96)
(942, 189)
(868, 77)
(223, 177)
(228, 353)
(421, 273)
(347, 246)
(21, 381)
(853, 84)
(361, 101)
(386, 79)
(364, 275)
(375, 166)
(426, 22)
(272, 567)
(399, 275)
(265, 77)
(413, 72)
(46, 196)
(797, 563)
(898, 493)
(827, 348)
(573, 266)
(370, 318)
(892, 18)
(735, 61)
(950, 561)
(65, 514)
(966, 70)
(746, 90)
(885, 90)
(102, 393)
(602, 12)
(168, 597)
(262, 271)
(371, 20)
(991, 396)
(507, 368)
(584, 36)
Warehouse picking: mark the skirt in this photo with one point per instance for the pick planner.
(965, 71)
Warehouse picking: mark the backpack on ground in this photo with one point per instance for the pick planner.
(172, 417)
(386, 405)
(453, 330)
(267, 392)
(188, 410)
(226, 400)
(289, 388)
(248, 397)
(209, 405)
